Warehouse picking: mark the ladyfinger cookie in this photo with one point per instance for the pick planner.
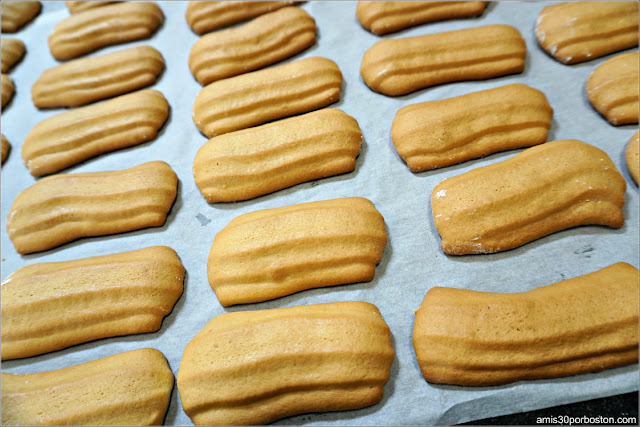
(6, 86)
(400, 66)
(62, 208)
(265, 40)
(93, 29)
(613, 89)
(578, 31)
(131, 388)
(255, 367)
(86, 80)
(382, 17)
(445, 132)
(76, 135)
(11, 52)
(631, 156)
(6, 147)
(544, 189)
(252, 162)
(262, 96)
(16, 14)
(271, 253)
(205, 16)
(81, 6)
(585, 324)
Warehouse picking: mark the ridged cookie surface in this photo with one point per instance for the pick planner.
(249, 163)
(86, 80)
(6, 147)
(6, 88)
(400, 66)
(15, 14)
(255, 367)
(76, 135)
(54, 305)
(544, 189)
(81, 6)
(588, 323)
(579, 31)
(64, 207)
(441, 133)
(261, 96)
(131, 388)
(276, 252)
(613, 89)
(93, 29)
(382, 17)
(11, 51)
(631, 156)
(263, 41)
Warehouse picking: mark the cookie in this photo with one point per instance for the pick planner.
(96, 28)
(254, 367)
(585, 324)
(578, 31)
(11, 51)
(81, 6)
(631, 156)
(383, 17)
(62, 208)
(54, 305)
(6, 88)
(252, 162)
(262, 96)
(73, 136)
(440, 133)
(16, 14)
(613, 89)
(399, 66)
(6, 147)
(265, 40)
(87, 80)
(130, 388)
(544, 189)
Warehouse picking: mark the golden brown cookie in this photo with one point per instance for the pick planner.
(254, 367)
(6, 88)
(544, 189)
(62, 208)
(631, 155)
(440, 133)
(130, 388)
(12, 50)
(585, 324)
(579, 31)
(6, 147)
(16, 14)
(81, 6)
(400, 66)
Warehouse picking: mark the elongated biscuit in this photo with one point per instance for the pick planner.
(588, 323)
(249, 163)
(263, 41)
(445, 132)
(93, 29)
(382, 17)
(62, 208)
(130, 388)
(579, 31)
(631, 156)
(6, 88)
(54, 305)
(544, 189)
(205, 16)
(71, 137)
(613, 89)
(16, 14)
(261, 96)
(276, 252)
(6, 147)
(255, 367)
(86, 80)
(12, 50)
(81, 6)
(400, 66)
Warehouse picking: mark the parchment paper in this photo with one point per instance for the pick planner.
(412, 261)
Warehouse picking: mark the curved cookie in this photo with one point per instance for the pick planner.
(585, 324)
(62, 208)
(613, 89)
(445, 132)
(6, 88)
(12, 51)
(578, 31)
(15, 14)
(631, 155)
(276, 252)
(255, 367)
(76, 135)
(205, 16)
(383, 17)
(130, 388)
(263, 41)
(261, 96)
(81, 6)
(544, 189)
(6, 147)
(104, 26)
(86, 80)
(400, 66)
(54, 305)
(256, 161)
